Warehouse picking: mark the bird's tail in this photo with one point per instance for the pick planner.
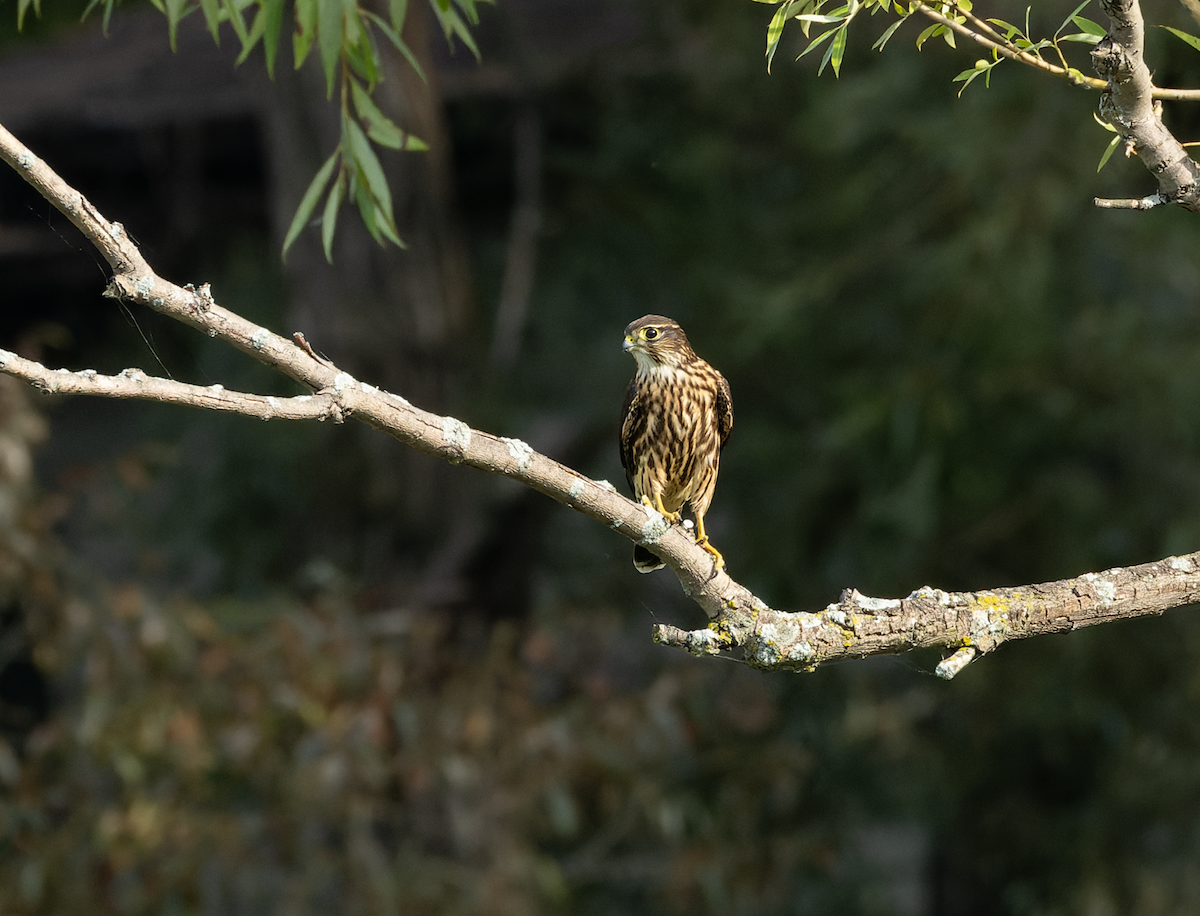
(644, 561)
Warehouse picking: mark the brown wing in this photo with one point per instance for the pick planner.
(632, 419)
(724, 410)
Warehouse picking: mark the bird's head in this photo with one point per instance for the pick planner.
(656, 343)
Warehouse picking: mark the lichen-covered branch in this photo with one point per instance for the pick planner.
(970, 623)
(966, 624)
(1128, 103)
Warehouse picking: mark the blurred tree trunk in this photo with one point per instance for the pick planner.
(400, 319)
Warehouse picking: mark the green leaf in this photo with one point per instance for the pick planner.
(1085, 38)
(108, 8)
(236, 20)
(775, 30)
(257, 28)
(1071, 15)
(834, 53)
(212, 17)
(306, 30)
(378, 223)
(367, 165)
(1092, 28)
(175, 11)
(272, 29)
(394, 37)
(1009, 29)
(883, 39)
(329, 38)
(23, 7)
(398, 14)
(333, 203)
(816, 41)
(929, 32)
(362, 60)
(1108, 151)
(1184, 37)
(453, 25)
(380, 127)
(309, 202)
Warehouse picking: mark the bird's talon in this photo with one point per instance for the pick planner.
(718, 560)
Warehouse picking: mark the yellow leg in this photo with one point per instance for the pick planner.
(702, 541)
(657, 505)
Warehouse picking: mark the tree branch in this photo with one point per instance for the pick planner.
(995, 42)
(968, 624)
(1127, 103)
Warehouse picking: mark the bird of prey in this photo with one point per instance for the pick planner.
(677, 416)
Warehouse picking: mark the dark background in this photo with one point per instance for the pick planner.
(259, 667)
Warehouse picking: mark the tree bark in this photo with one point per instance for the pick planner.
(1127, 103)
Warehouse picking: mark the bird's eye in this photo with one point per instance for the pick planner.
(650, 333)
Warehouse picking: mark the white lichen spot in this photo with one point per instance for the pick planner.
(764, 649)
(260, 338)
(5, 356)
(25, 159)
(656, 526)
(342, 381)
(1106, 590)
(707, 641)
(88, 373)
(136, 374)
(272, 402)
(368, 389)
(74, 203)
(403, 402)
(605, 485)
(143, 286)
(1179, 564)
(116, 230)
(801, 651)
(576, 490)
(948, 667)
(216, 389)
(456, 433)
(981, 623)
(521, 453)
(837, 615)
(877, 604)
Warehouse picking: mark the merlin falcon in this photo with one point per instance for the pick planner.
(677, 416)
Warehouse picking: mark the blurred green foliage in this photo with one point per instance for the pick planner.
(949, 369)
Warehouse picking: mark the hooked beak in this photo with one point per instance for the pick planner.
(629, 344)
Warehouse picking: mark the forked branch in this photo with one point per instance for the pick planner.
(741, 625)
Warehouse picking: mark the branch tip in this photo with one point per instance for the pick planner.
(948, 667)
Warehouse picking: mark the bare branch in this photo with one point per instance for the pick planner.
(134, 383)
(1138, 203)
(968, 624)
